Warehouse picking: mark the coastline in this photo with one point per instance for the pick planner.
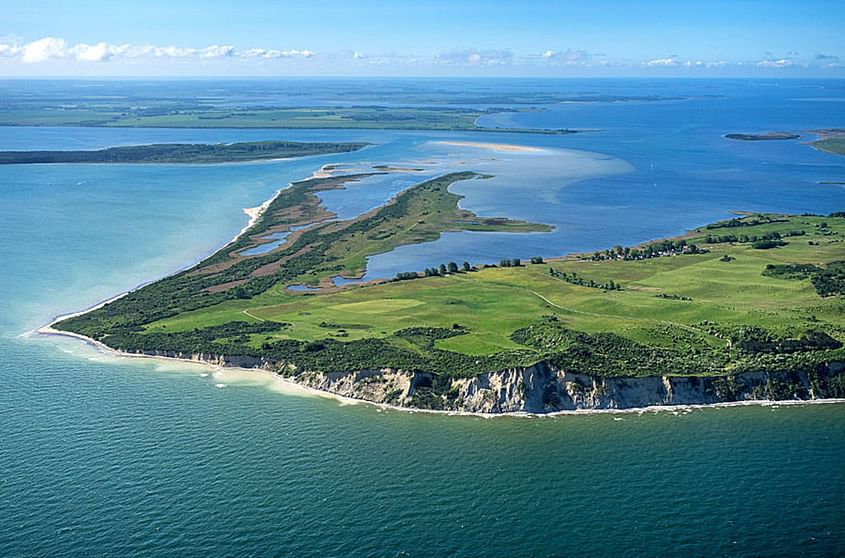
(303, 389)
(254, 214)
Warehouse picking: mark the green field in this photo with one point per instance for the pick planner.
(181, 153)
(756, 292)
(198, 116)
(831, 145)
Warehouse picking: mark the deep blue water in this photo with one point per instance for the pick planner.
(105, 456)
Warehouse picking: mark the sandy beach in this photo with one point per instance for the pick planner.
(503, 147)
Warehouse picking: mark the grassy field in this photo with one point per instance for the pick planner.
(311, 255)
(492, 303)
(831, 145)
(369, 117)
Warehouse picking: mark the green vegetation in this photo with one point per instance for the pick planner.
(680, 311)
(834, 145)
(182, 153)
(651, 250)
(828, 281)
(310, 256)
(168, 115)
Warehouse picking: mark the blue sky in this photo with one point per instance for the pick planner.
(427, 38)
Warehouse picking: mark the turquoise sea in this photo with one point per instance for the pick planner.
(106, 456)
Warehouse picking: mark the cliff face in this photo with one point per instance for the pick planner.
(542, 388)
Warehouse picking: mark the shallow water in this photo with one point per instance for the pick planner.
(113, 456)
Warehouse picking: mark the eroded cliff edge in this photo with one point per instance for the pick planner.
(543, 388)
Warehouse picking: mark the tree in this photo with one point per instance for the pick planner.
(453, 267)
(467, 267)
(442, 269)
(516, 262)
(536, 260)
(505, 263)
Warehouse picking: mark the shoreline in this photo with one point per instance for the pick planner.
(303, 389)
(254, 214)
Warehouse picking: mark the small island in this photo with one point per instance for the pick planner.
(182, 153)
(746, 309)
(767, 136)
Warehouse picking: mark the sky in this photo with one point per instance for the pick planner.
(598, 38)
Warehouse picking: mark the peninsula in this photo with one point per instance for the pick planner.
(745, 309)
(182, 153)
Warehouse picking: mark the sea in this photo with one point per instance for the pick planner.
(103, 455)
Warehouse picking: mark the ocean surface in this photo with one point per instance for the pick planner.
(108, 456)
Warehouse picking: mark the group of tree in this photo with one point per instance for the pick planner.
(575, 279)
(828, 281)
(440, 271)
(752, 238)
(652, 250)
(745, 222)
(673, 297)
(453, 267)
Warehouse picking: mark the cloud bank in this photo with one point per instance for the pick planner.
(56, 52)
(52, 48)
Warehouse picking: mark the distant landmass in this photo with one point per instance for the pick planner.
(767, 136)
(162, 114)
(831, 140)
(196, 153)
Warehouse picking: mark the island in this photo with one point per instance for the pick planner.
(183, 153)
(767, 136)
(160, 113)
(747, 309)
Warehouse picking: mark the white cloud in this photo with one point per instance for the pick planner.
(569, 57)
(663, 62)
(473, 57)
(780, 63)
(9, 49)
(15, 50)
(97, 53)
(52, 48)
(274, 53)
(43, 49)
(217, 51)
